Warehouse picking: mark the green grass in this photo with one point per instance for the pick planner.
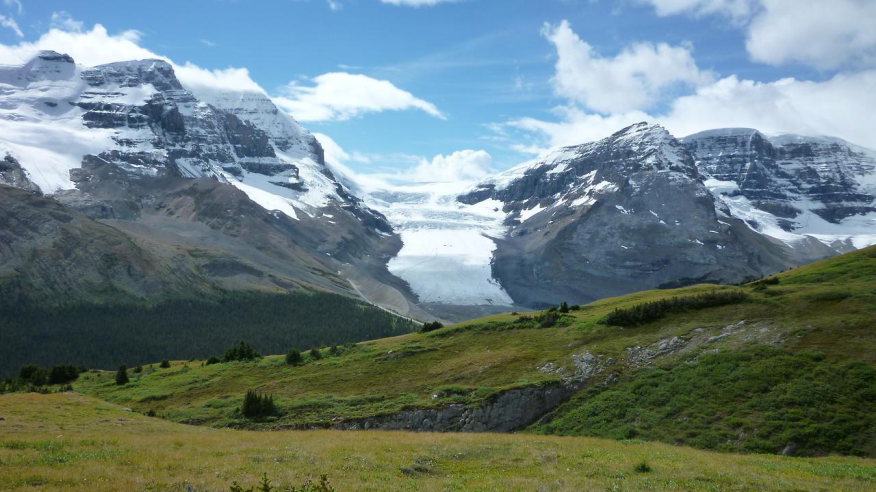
(829, 308)
(70, 442)
(757, 400)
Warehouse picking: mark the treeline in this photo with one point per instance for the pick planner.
(105, 336)
(654, 310)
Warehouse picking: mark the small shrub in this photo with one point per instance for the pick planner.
(264, 485)
(256, 405)
(122, 376)
(138, 369)
(294, 358)
(164, 364)
(335, 350)
(431, 326)
(213, 360)
(564, 307)
(548, 320)
(643, 467)
(315, 353)
(575, 307)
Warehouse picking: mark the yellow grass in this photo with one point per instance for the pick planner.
(71, 442)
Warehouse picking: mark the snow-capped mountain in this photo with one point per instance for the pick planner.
(229, 191)
(791, 186)
(126, 143)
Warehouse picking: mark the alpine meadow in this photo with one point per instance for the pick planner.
(438, 245)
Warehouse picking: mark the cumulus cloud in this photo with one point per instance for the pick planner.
(342, 95)
(825, 35)
(9, 23)
(832, 107)
(838, 106)
(633, 80)
(462, 165)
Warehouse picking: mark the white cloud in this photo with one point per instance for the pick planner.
(208, 43)
(416, 3)
(634, 79)
(734, 8)
(64, 21)
(14, 3)
(341, 96)
(839, 106)
(836, 107)
(9, 23)
(825, 35)
(88, 48)
(335, 4)
(204, 82)
(462, 165)
(822, 34)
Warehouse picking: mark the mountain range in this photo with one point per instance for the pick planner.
(121, 183)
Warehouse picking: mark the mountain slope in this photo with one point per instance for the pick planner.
(226, 172)
(625, 213)
(508, 371)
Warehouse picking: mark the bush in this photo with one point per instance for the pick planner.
(652, 311)
(242, 351)
(63, 374)
(34, 375)
(431, 326)
(213, 360)
(548, 320)
(138, 369)
(122, 376)
(564, 307)
(265, 486)
(294, 358)
(315, 353)
(256, 405)
(164, 364)
(335, 350)
(643, 467)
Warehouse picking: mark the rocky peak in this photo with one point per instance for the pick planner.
(136, 73)
(789, 175)
(46, 65)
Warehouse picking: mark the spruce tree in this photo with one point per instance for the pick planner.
(122, 376)
(294, 358)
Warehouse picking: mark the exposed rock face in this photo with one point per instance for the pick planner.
(626, 213)
(789, 175)
(11, 174)
(506, 412)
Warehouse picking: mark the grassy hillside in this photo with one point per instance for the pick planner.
(817, 323)
(111, 334)
(70, 442)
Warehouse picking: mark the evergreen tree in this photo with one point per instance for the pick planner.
(122, 376)
(256, 405)
(564, 307)
(294, 358)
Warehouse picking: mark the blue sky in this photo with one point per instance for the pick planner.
(510, 77)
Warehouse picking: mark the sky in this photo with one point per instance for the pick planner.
(443, 90)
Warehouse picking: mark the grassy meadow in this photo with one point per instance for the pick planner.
(72, 442)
